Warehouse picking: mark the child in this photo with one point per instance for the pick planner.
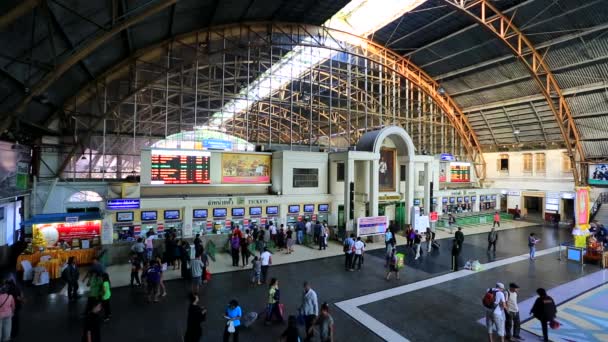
(135, 268)
(105, 297)
(257, 271)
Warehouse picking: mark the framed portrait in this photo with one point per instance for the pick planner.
(386, 169)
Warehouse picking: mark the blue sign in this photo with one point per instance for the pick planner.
(122, 203)
(216, 144)
(446, 157)
(416, 201)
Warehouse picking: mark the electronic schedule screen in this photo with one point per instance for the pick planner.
(180, 167)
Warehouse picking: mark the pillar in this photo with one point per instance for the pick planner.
(349, 172)
(374, 186)
(410, 184)
(427, 188)
(187, 222)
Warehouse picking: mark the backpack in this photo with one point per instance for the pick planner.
(489, 299)
(346, 246)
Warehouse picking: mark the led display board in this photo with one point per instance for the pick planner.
(180, 167)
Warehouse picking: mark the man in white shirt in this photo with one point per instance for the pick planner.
(308, 227)
(266, 259)
(495, 316)
(512, 312)
(359, 249)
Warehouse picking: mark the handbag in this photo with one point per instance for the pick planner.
(207, 275)
(281, 310)
(231, 328)
(554, 324)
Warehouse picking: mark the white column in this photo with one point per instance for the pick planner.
(187, 230)
(410, 185)
(427, 188)
(374, 186)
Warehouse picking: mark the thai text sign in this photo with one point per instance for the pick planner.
(372, 225)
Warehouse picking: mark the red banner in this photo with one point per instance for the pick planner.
(53, 232)
(434, 216)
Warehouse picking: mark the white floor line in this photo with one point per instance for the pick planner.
(351, 306)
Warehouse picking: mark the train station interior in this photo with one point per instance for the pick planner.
(466, 134)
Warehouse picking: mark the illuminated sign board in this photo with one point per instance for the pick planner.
(122, 203)
(180, 167)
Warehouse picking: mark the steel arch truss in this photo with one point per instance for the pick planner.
(187, 80)
(503, 28)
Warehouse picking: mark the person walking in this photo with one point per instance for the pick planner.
(184, 254)
(245, 241)
(7, 309)
(309, 309)
(455, 255)
(266, 259)
(153, 274)
(70, 275)
(496, 219)
(544, 310)
(359, 250)
(95, 290)
(451, 222)
(492, 239)
(14, 290)
(290, 240)
(388, 252)
(256, 271)
(325, 234)
(92, 323)
(291, 334)
(388, 238)
(532, 241)
(274, 298)
(139, 248)
(273, 233)
(163, 268)
(135, 269)
(233, 315)
(150, 246)
(197, 269)
(300, 227)
(235, 247)
(409, 235)
(198, 244)
(459, 237)
(430, 238)
(393, 266)
(349, 244)
(326, 324)
(417, 243)
(495, 303)
(512, 313)
(196, 315)
(105, 297)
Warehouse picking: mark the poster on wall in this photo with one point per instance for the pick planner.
(460, 172)
(372, 225)
(386, 169)
(598, 174)
(582, 207)
(66, 231)
(241, 168)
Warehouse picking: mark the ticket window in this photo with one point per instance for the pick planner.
(124, 233)
(199, 227)
(237, 221)
(322, 217)
(175, 227)
(292, 221)
(444, 206)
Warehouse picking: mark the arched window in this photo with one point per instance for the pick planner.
(85, 196)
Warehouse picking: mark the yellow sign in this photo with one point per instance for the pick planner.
(389, 198)
(244, 168)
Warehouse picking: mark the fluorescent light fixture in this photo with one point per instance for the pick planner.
(358, 17)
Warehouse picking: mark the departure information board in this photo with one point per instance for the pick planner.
(180, 167)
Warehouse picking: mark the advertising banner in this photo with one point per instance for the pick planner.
(242, 168)
(53, 232)
(372, 225)
(598, 174)
(582, 207)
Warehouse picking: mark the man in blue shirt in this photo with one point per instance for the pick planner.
(348, 251)
(388, 237)
(300, 227)
(233, 314)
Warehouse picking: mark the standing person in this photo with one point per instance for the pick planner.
(309, 309)
(198, 244)
(409, 235)
(7, 309)
(274, 298)
(266, 259)
(417, 243)
(163, 269)
(459, 237)
(532, 241)
(267, 235)
(196, 315)
(139, 248)
(492, 239)
(349, 245)
(393, 228)
(245, 241)
(388, 252)
(150, 246)
(544, 310)
(105, 297)
(430, 237)
(451, 222)
(359, 250)
(95, 290)
(322, 237)
(233, 314)
(235, 246)
(184, 254)
(290, 241)
(393, 267)
(512, 312)
(70, 275)
(273, 232)
(14, 290)
(170, 249)
(256, 271)
(317, 232)
(153, 274)
(291, 334)
(326, 324)
(388, 237)
(92, 323)
(455, 255)
(494, 302)
(496, 219)
(260, 244)
(197, 269)
(178, 254)
(300, 226)
(308, 226)
(135, 269)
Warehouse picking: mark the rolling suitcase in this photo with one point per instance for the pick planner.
(436, 244)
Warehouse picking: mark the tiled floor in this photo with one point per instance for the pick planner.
(446, 311)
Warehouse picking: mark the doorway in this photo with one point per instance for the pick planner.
(568, 205)
(533, 207)
(503, 203)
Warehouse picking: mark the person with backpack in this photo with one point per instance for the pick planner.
(274, 298)
(492, 239)
(544, 310)
(70, 275)
(512, 313)
(532, 241)
(348, 244)
(495, 303)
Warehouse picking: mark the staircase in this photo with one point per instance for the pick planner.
(601, 215)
